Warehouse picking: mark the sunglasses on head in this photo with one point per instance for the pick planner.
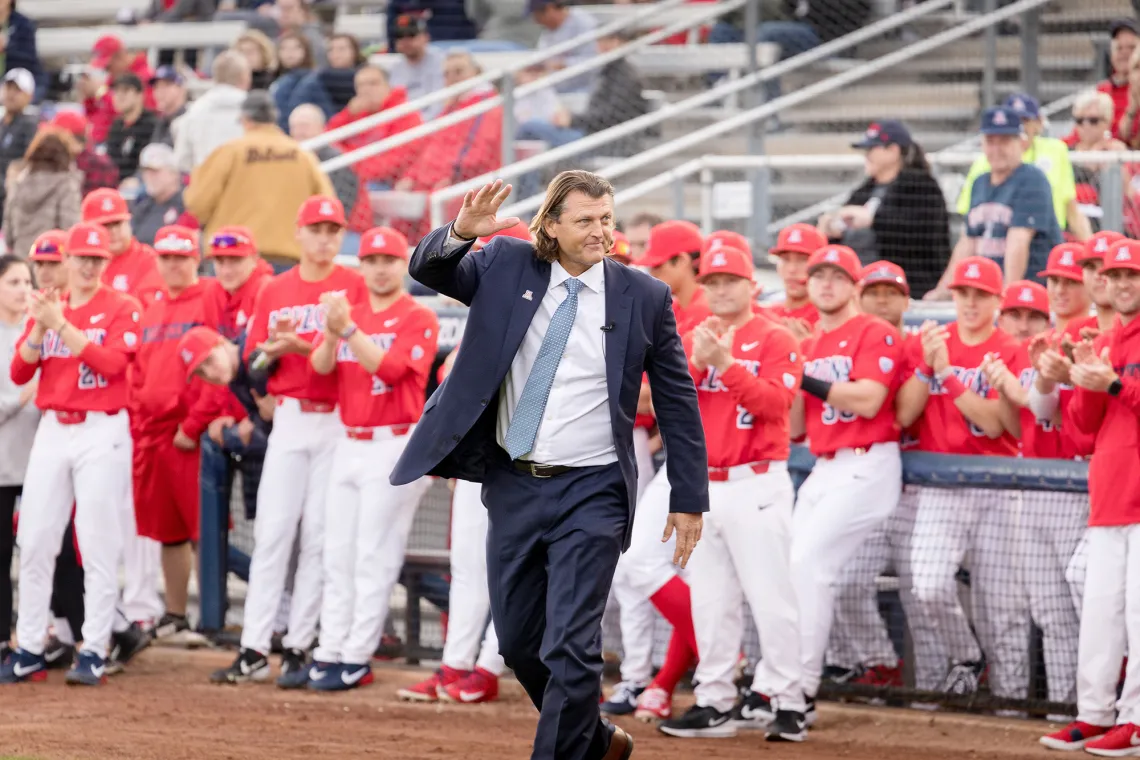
(1090, 120)
(229, 241)
(48, 248)
(174, 245)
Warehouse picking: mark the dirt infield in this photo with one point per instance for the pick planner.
(164, 709)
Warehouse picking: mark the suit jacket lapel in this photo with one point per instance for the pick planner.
(532, 288)
(618, 306)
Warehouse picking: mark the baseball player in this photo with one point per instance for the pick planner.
(1095, 284)
(1104, 404)
(47, 259)
(240, 272)
(747, 370)
(672, 256)
(380, 352)
(81, 340)
(794, 245)
(288, 317)
(172, 416)
(959, 413)
(846, 409)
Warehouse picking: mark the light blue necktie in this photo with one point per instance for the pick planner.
(532, 403)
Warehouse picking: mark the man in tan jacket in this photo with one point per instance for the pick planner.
(260, 181)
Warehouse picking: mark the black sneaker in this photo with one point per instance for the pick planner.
(170, 625)
(294, 670)
(700, 723)
(58, 655)
(248, 666)
(809, 712)
(753, 711)
(125, 645)
(788, 726)
(963, 678)
(840, 674)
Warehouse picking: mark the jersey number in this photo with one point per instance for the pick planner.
(379, 387)
(831, 415)
(743, 418)
(89, 379)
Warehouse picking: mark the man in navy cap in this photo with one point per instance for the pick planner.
(170, 100)
(1010, 218)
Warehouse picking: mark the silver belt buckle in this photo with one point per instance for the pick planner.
(535, 472)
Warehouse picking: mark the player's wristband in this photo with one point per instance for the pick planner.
(954, 387)
(34, 346)
(348, 333)
(817, 388)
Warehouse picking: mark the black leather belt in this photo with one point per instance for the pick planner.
(537, 470)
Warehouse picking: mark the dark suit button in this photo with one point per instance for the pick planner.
(455, 438)
(483, 402)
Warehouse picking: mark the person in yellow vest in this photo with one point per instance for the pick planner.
(1048, 154)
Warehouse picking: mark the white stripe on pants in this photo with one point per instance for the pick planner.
(367, 522)
(294, 481)
(88, 464)
(743, 556)
(469, 601)
(840, 504)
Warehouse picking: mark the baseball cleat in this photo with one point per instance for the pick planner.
(478, 686)
(753, 711)
(841, 674)
(881, 675)
(58, 655)
(1073, 736)
(787, 726)
(294, 670)
(23, 666)
(428, 690)
(654, 704)
(90, 670)
(247, 666)
(700, 723)
(964, 678)
(1121, 741)
(623, 699)
(125, 645)
(339, 676)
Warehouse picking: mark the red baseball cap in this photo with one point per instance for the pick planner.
(1026, 294)
(176, 240)
(383, 241)
(885, 272)
(105, 206)
(1123, 254)
(620, 251)
(722, 238)
(726, 260)
(978, 272)
(104, 48)
(839, 256)
(670, 239)
(233, 241)
(321, 208)
(70, 121)
(85, 239)
(1064, 261)
(798, 238)
(1098, 245)
(195, 345)
(49, 246)
(520, 232)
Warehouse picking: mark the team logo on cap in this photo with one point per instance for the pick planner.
(108, 204)
(718, 261)
(999, 118)
(1026, 295)
(187, 356)
(1101, 245)
(794, 236)
(716, 243)
(832, 256)
(1123, 255)
(92, 238)
(1066, 258)
(884, 272)
(326, 209)
(873, 130)
(973, 272)
(1019, 104)
(378, 241)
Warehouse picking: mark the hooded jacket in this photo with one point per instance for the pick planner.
(210, 121)
(38, 202)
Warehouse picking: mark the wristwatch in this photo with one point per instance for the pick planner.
(1116, 387)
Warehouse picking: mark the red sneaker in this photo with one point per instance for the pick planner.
(478, 686)
(654, 704)
(1121, 741)
(429, 689)
(881, 675)
(1073, 736)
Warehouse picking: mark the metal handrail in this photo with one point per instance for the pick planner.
(439, 96)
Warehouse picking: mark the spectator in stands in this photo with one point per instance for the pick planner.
(109, 59)
(561, 22)
(17, 127)
(168, 11)
(637, 232)
(420, 68)
(162, 203)
(19, 49)
(504, 20)
(899, 213)
(45, 191)
(294, 61)
(261, 56)
(214, 118)
(1119, 86)
(295, 16)
(133, 128)
(541, 106)
(97, 170)
(331, 88)
(306, 122)
(258, 180)
(1092, 131)
(373, 95)
(170, 101)
(446, 19)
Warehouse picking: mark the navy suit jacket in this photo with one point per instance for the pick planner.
(456, 436)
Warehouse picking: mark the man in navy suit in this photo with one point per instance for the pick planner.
(539, 408)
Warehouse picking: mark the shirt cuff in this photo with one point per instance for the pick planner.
(452, 243)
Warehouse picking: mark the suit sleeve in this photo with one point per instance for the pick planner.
(451, 270)
(678, 416)
(769, 395)
(413, 350)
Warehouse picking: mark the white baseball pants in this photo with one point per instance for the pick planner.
(1077, 569)
(838, 507)
(1110, 627)
(294, 482)
(471, 639)
(744, 555)
(367, 522)
(87, 464)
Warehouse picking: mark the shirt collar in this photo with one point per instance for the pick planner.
(593, 278)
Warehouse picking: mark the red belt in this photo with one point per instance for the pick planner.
(70, 418)
(720, 474)
(367, 433)
(315, 407)
(857, 452)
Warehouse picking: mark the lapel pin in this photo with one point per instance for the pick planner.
(528, 296)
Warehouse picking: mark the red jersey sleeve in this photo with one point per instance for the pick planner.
(687, 344)
(414, 348)
(21, 371)
(206, 407)
(111, 359)
(880, 354)
(769, 395)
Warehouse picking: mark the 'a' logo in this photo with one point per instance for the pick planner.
(1026, 295)
(1066, 258)
(716, 243)
(795, 237)
(999, 118)
(326, 209)
(973, 272)
(1019, 104)
(377, 241)
(108, 204)
(885, 272)
(92, 238)
(832, 255)
(1101, 245)
(718, 260)
(187, 356)
(1123, 255)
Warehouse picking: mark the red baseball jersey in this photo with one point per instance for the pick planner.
(287, 296)
(942, 427)
(409, 335)
(807, 312)
(862, 348)
(692, 315)
(237, 307)
(135, 271)
(746, 409)
(1044, 439)
(95, 380)
(162, 397)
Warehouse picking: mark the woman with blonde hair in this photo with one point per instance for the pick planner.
(45, 193)
(259, 51)
(1093, 113)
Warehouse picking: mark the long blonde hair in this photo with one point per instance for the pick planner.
(592, 185)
